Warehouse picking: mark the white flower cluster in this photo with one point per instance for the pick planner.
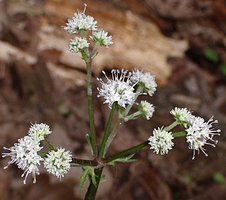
(182, 115)
(78, 44)
(198, 132)
(121, 88)
(39, 131)
(161, 141)
(118, 89)
(145, 80)
(146, 109)
(58, 162)
(102, 38)
(80, 22)
(85, 28)
(27, 156)
(201, 133)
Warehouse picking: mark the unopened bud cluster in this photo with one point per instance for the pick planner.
(27, 155)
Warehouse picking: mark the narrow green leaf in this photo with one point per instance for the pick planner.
(83, 178)
(93, 177)
(127, 159)
(88, 139)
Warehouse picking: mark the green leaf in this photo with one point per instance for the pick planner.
(88, 139)
(93, 177)
(211, 55)
(127, 159)
(88, 172)
(223, 68)
(219, 178)
(83, 178)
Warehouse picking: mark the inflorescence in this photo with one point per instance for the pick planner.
(198, 133)
(27, 154)
(85, 31)
(124, 87)
(123, 90)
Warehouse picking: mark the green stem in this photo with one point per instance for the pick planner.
(107, 131)
(48, 145)
(92, 190)
(139, 89)
(171, 126)
(42, 154)
(113, 134)
(90, 107)
(127, 152)
(75, 162)
(94, 51)
(179, 134)
(119, 122)
(133, 116)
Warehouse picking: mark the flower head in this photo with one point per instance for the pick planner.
(201, 133)
(118, 89)
(145, 80)
(58, 162)
(146, 109)
(161, 141)
(25, 155)
(78, 44)
(182, 115)
(80, 22)
(101, 37)
(39, 131)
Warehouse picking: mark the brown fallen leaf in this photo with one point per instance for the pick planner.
(138, 43)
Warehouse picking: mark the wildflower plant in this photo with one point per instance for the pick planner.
(120, 92)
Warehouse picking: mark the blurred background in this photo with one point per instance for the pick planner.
(182, 42)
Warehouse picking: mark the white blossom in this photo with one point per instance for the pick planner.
(118, 89)
(182, 116)
(58, 162)
(161, 141)
(201, 133)
(80, 22)
(101, 37)
(39, 131)
(78, 44)
(25, 155)
(146, 81)
(146, 109)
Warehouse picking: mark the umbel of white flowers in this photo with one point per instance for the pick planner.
(85, 30)
(198, 133)
(124, 87)
(26, 154)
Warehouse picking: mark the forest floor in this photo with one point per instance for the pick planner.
(40, 81)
